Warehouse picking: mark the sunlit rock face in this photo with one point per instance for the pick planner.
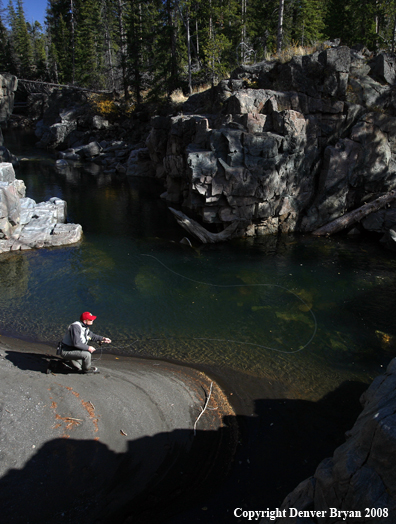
(8, 86)
(284, 147)
(25, 224)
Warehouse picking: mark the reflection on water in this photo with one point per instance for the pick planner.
(306, 312)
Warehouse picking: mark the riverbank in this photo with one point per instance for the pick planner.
(121, 445)
(110, 447)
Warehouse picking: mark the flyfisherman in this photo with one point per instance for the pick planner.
(75, 344)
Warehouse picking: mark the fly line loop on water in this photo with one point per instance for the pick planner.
(301, 348)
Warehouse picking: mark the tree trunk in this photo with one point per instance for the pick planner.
(122, 47)
(73, 43)
(280, 26)
(356, 215)
(189, 51)
(200, 232)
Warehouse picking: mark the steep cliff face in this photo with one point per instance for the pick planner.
(360, 477)
(8, 86)
(284, 147)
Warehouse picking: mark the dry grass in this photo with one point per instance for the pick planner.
(201, 88)
(177, 97)
(294, 50)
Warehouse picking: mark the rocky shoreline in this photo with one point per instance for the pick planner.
(359, 480)
(72, 443)
(109, 447)
(24, 224)
(277, 148)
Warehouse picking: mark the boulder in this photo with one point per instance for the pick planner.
(27, 225)
(10, 209)
(98, 122)
(360, 474)
(7, 173)
(90, 150)
(7, 157)
(37, 103)
(140, 164)
(383, 67)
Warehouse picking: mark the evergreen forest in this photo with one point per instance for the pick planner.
(150, 48)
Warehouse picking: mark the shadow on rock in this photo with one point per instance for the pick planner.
(177, 477)
(38, 362)
(83, 481)
(281, 444)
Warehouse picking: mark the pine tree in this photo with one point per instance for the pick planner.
(89, 44)
(262, 21)
(5, 61)
(22, 42)
(19, 45)
(39, 41)
(307, 22)
(354, 21)
(59, 31)
(140, 44)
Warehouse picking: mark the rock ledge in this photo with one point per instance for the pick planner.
(27, 225)
(361, 474)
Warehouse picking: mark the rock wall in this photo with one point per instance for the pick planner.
(361, 474)
(284, 147)
(8, 86)
(25, 224)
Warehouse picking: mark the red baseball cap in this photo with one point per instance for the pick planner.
(87, 316)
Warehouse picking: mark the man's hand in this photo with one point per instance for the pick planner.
(91, 349)
(106, 340)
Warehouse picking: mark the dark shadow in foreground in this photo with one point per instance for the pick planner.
(84, 482)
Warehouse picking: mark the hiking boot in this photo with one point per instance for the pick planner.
(92, 370)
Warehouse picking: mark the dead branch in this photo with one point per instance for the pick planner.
(355, 216)
(200, 232)
(204, 408)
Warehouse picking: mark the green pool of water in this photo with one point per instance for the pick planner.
(307, 313)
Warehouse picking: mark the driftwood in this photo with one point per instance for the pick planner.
(200, 232)
(355, 216)
(44, 86)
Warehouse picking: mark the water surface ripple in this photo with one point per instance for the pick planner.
(307, 313)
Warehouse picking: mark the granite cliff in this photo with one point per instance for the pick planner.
(276, 148)
(282, 148)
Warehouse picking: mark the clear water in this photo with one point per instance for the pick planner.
(307, 313)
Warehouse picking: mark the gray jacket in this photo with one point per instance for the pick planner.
(79, 336)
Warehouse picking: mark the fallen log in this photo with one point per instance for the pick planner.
(200, 232)
(356, 215)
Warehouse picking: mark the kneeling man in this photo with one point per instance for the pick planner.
(75, 343)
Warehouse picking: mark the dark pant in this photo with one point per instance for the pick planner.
(80, 359)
